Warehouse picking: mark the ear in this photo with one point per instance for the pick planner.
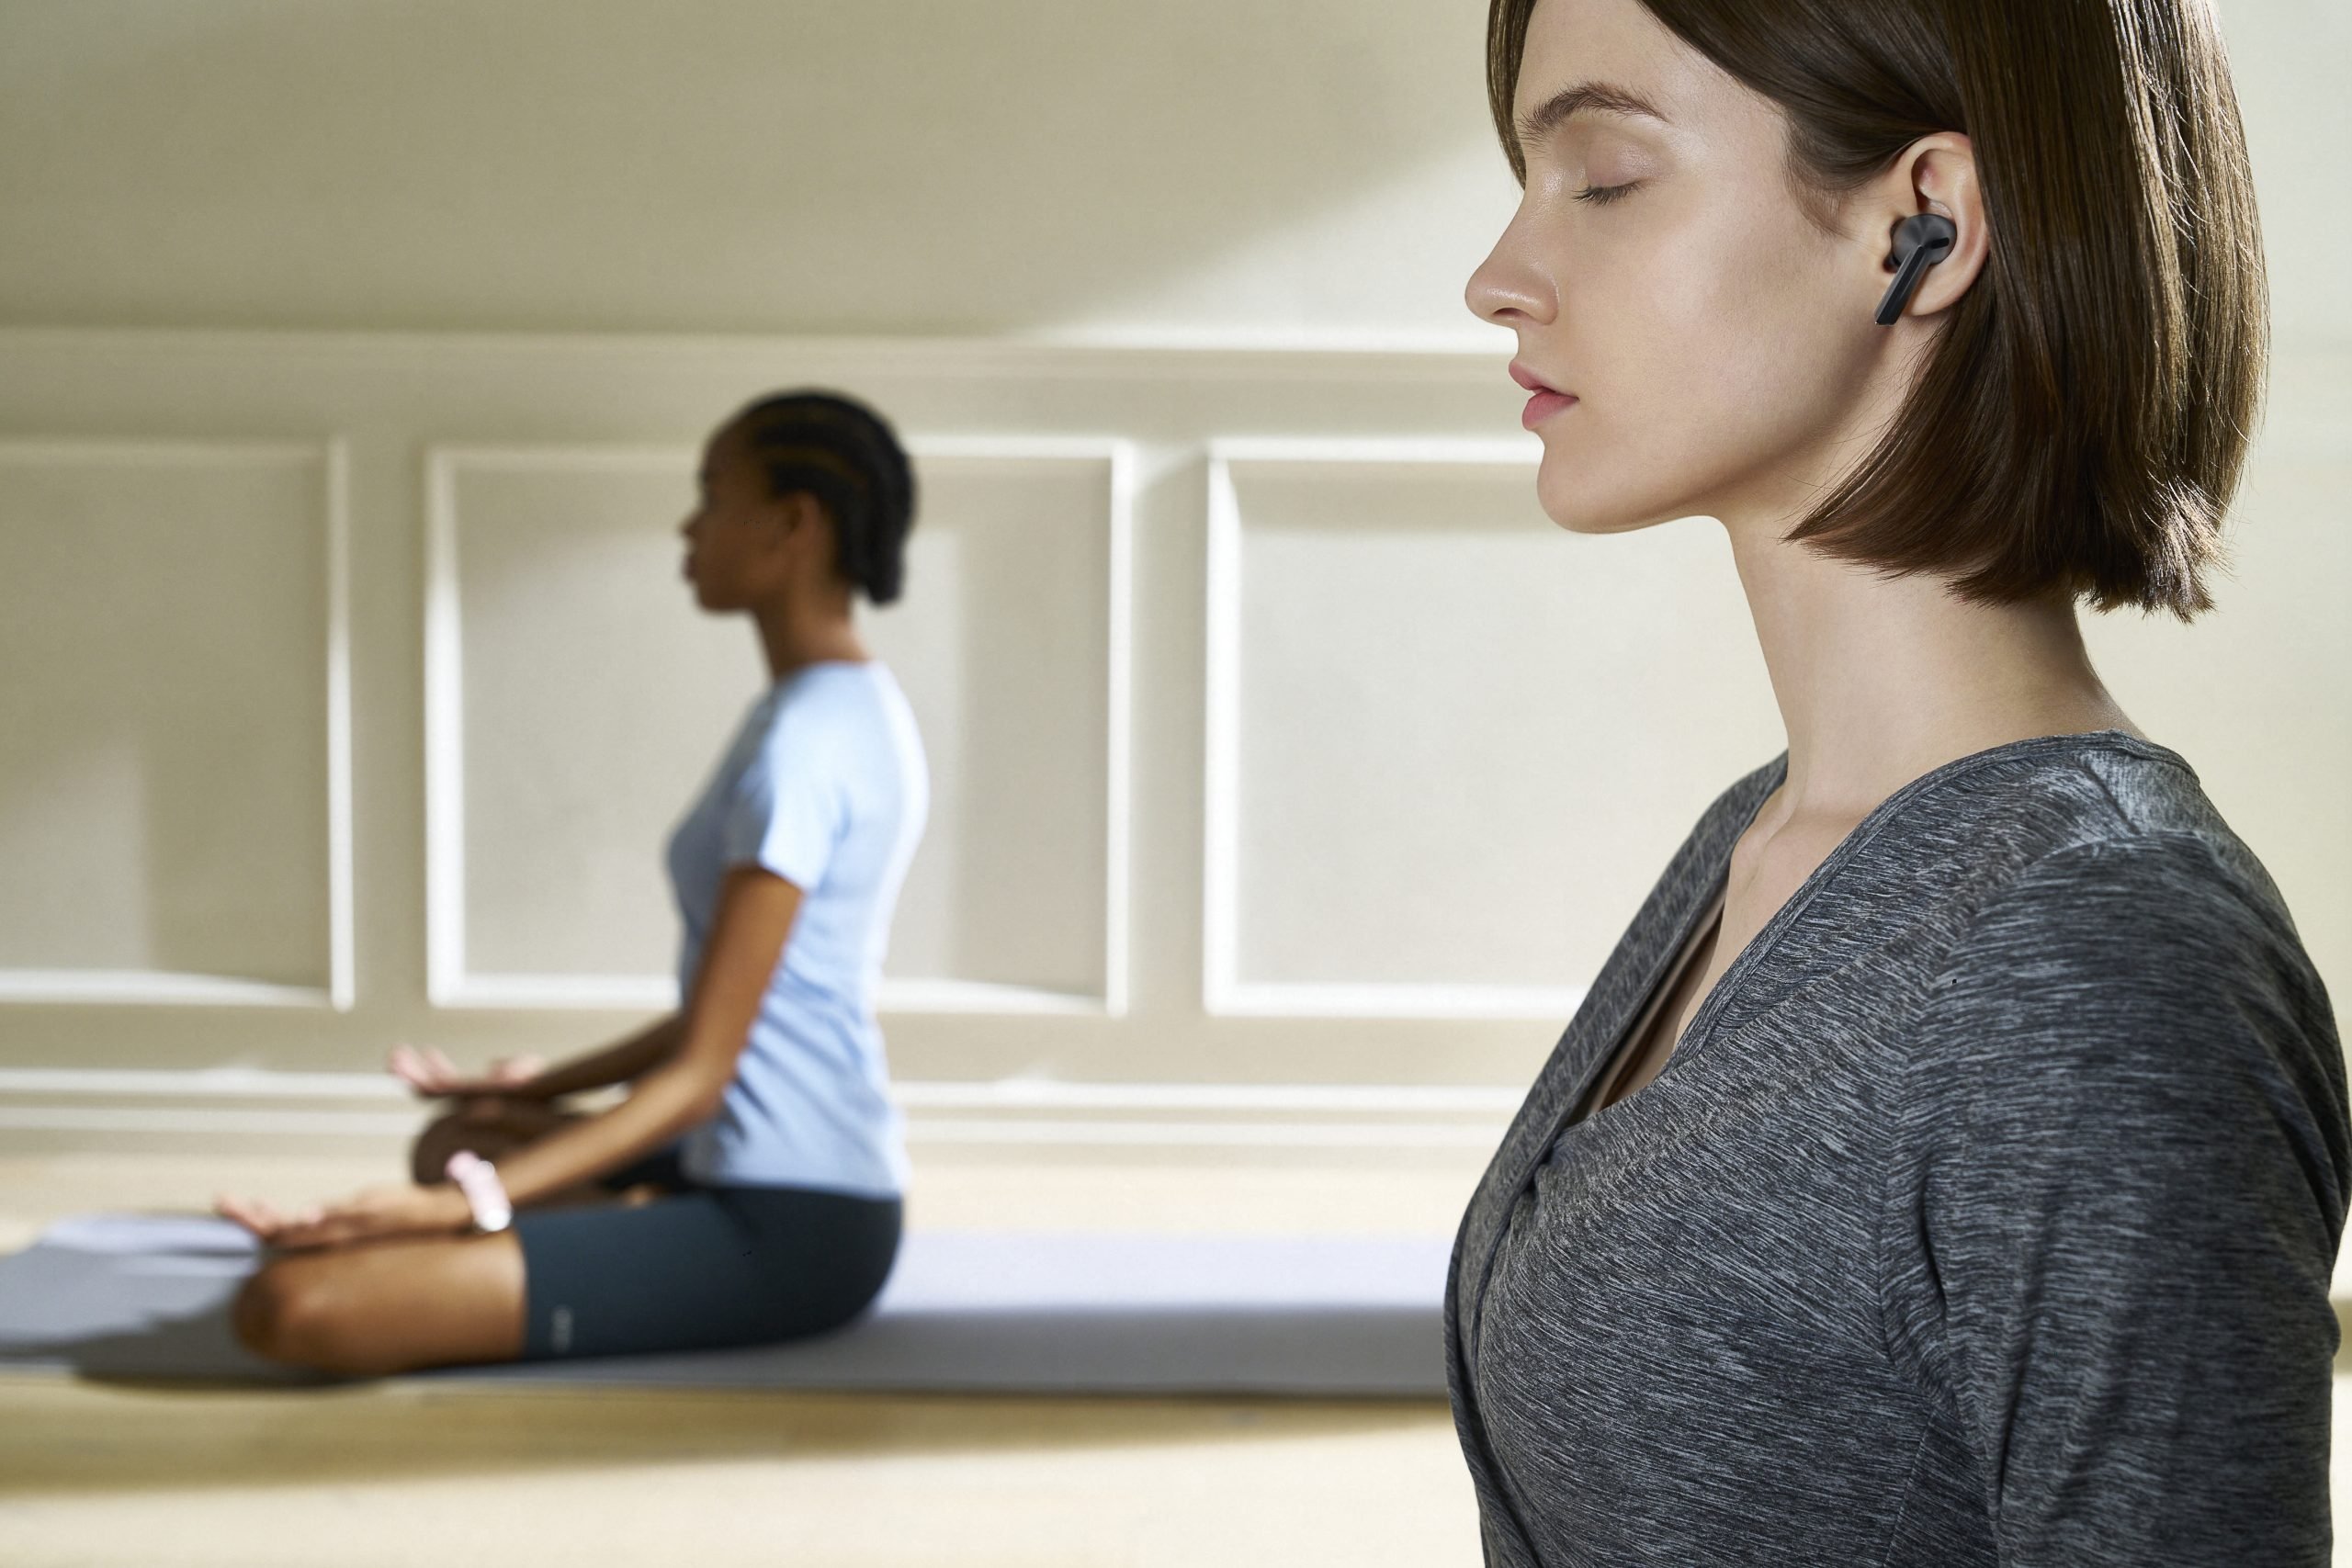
(801, 528)
(1935, 174)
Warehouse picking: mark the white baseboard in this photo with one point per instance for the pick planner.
(249, 1101)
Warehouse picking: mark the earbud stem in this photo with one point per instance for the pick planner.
(1906, 277)
(1920, 241)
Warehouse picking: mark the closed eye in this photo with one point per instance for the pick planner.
(1605, 193)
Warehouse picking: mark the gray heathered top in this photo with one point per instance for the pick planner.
(1985, 1215)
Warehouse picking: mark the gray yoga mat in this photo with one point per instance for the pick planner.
(141, 1296)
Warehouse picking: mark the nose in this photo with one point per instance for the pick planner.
(1510, 287)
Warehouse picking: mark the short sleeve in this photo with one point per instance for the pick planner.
(2128, 1114)
(788, 809)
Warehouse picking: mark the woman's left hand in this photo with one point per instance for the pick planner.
(397, 1209)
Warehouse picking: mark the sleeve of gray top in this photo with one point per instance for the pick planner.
(2129, 1107)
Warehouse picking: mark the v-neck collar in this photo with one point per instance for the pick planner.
(1695, 898)
(1759, 947)
(1623, 1049)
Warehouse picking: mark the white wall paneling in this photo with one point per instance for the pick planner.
(1283, 752)
(244, 1102)
(175, 798)
(1408, 673)
(574, 702)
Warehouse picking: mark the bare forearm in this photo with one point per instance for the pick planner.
(625, 1063)
(696, 1051)
(665, 1103)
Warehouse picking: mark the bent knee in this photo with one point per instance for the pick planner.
(285, 1313)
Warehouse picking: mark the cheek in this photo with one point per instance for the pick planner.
(1700, 370)
(718, 555)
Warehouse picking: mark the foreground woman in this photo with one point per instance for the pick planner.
(1948, 1166)
(760, 1153)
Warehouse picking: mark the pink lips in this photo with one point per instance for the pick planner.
(1547, 400)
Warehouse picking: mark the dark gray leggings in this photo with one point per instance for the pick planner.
(700, 1267)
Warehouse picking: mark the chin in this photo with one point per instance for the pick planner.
(1585, 508)
(1586, 499)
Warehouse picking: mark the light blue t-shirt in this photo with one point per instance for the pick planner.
(825, 785)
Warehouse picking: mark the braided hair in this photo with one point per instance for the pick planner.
(843, 454)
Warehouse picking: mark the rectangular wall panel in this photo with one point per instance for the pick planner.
(580, 700)
(1012, 641)
(172, 820)
(1420, 796)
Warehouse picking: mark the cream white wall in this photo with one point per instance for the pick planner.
(352, 357)
(1040, 167)
(1316, 169)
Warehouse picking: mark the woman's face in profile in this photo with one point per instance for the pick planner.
(731, 532)
(1660, 272)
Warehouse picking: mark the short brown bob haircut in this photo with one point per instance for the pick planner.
(2081, 427)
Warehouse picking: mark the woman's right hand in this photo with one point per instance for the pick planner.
(432, 1076)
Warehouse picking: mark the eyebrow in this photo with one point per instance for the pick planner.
(1599, 97)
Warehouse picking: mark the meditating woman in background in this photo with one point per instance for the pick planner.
(1948, 1166)
(759, 1148)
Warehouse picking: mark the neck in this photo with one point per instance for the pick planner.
(800, 629)
(1880, 680)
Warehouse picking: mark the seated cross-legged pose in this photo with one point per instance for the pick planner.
(748, 1189)
(1947, 1168)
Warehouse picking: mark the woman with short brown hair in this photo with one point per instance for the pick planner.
(1949, 1165)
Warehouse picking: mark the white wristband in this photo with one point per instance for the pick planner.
(485, 1194)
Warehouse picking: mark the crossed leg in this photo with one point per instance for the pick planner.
(374, 1308)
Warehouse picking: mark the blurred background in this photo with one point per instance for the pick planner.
(1293, 773)
(356, 359)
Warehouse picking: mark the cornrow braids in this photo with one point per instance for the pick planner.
(842, 453)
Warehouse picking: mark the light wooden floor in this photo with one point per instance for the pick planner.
(400, 1474)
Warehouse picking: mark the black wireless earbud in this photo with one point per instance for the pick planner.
(1920, 243)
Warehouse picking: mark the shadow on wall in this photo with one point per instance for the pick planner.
(737, 165)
